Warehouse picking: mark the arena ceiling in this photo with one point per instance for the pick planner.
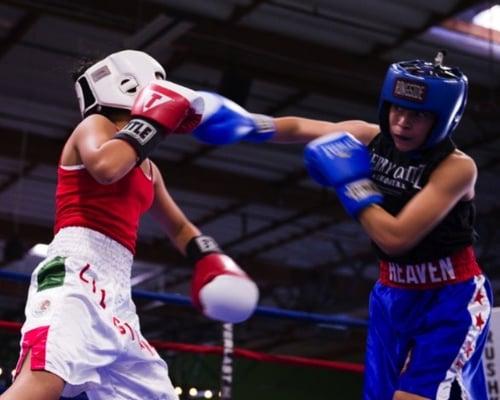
(320, 59)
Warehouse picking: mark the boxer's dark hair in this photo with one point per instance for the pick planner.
(81, 66)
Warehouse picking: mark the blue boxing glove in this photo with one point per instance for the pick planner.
(341, 161)
(225, 122)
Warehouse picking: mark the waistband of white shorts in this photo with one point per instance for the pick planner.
(92, 246)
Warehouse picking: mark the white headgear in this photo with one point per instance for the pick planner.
(116, 80)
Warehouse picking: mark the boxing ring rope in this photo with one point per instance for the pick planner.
(228, 351)
(14, 327)
(263, 311)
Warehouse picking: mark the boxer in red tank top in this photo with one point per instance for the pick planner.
(80, 319)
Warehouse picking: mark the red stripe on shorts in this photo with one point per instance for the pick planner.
(36, 341)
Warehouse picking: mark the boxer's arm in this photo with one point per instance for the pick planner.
(220, 289)
(303, 130)
(451, 182)
(170, 217)
(106, 160)
(109, 160)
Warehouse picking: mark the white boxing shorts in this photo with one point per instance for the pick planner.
(81, 323)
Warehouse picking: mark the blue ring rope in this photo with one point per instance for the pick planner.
(263, 311)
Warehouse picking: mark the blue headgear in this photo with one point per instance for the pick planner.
(425, 86)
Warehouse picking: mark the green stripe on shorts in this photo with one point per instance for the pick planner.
(52, 274)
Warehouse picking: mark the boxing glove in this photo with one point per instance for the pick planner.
(162, 107)
(220, 289)
(225, 122)
(341, 161)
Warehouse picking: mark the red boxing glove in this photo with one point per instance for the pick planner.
(220, 289)
(168, 104)
(159, 109)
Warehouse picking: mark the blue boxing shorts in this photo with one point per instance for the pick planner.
(427, 329)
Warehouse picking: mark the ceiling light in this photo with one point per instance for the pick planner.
(39, 250)
(489, 18)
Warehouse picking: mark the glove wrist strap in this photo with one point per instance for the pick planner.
(264, 123)
(361, 189)
(199, 246)
(142, 135)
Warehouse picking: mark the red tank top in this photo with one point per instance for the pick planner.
(113, 210)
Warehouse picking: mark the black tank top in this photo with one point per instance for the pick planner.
(400, 176)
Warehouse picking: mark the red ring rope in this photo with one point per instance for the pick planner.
(238, 352)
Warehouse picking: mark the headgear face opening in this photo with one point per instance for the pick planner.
(116, 80)
(424, 86)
